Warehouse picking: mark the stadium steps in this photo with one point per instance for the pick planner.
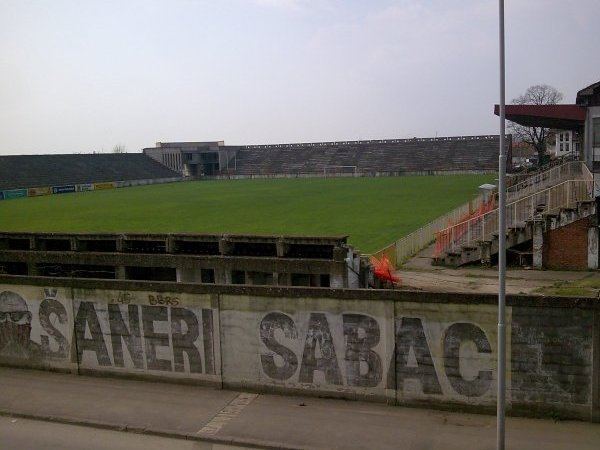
(516, 235)
(26, 171)
(412, 155)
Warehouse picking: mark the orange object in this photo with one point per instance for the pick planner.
(454, 231)
(384, 270)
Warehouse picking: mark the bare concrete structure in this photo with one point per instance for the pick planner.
(408, 348)
(318, 261)
(460, 154)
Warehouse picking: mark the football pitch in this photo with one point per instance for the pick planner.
(372, 211)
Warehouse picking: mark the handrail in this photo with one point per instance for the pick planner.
(403, 248)
(518, 212)
(551, 176)
(511, 203)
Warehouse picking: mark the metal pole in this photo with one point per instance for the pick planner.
(501, 396)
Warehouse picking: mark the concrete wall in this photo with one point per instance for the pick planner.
(409, 348)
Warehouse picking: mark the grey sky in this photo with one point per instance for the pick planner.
(82, 76)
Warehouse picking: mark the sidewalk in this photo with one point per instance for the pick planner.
(418, 274)
(269, 421)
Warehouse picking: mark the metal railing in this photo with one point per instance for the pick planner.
(409, 245)
(571, 170)
(483, 228)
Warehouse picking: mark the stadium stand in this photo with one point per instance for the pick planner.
(362, 158)
(29, 171)
(471, 153)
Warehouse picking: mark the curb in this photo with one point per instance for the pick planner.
(226, 440)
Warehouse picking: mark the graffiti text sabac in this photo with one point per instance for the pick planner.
(411, 359)
(140, 336)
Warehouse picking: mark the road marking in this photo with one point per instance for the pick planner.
(229, 412)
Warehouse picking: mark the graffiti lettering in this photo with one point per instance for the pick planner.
(50, 307)
(119, 333)
(183, 341)
(154, 337)
(271, 322)
(361, 334)
(456, 334)
(319, 334)
(87, 319)
(159, 299)
(411, 336)
(124, 298)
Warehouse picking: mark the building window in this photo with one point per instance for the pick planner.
(596, 131)
(566, 147)
(561, 146)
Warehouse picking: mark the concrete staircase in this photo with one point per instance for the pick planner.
(483, 251)
(536, 206)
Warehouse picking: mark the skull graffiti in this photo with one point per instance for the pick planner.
(15, 328)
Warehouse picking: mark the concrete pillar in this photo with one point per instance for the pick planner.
(338, 278)
(120, 273)
(486, 253)
(283, 279)
(221, 276)
(170, 244)
(120, 243)
(32, 270)
(593, 247)
(340, 253)
(225, 246)
(538, 243)
(282, 248)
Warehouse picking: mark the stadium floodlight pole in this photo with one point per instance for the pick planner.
(501, 396)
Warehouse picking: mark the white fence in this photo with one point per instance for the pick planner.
(409, 245)
(483, 228)
(572, 170)
(576, 172)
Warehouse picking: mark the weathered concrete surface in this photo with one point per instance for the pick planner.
(419, 274)
(26, 434)
(406, 348)
(292, 422)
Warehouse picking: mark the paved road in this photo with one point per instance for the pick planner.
(248, 418)
(26, 434)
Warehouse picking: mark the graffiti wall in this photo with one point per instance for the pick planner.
(446, 351)
(393, 350)
(326, 345)
(171, 335)
(35, 326)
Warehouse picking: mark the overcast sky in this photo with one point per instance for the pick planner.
(82, 76)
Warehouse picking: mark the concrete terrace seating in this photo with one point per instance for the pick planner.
(470, 153)
(25, 171)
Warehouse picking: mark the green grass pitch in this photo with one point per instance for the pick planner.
(372, 211)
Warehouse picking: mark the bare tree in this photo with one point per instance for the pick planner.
(537, 137)
(119, 148)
